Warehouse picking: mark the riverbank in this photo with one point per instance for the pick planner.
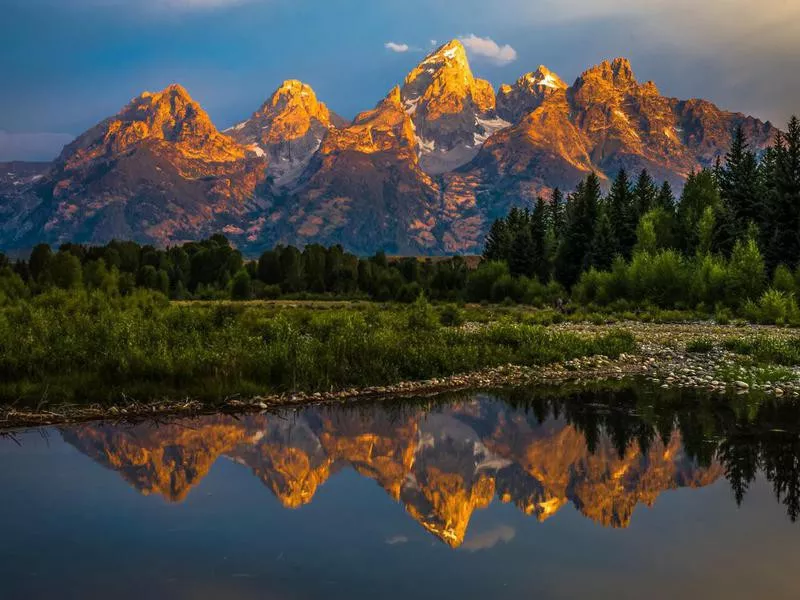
(694, 356)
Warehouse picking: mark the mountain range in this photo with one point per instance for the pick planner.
(424, 172)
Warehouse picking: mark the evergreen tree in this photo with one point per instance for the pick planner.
(557, 212)
(539, 229)
(523, 259)
(575, 251)
(645, 193)
(604, 246)
(784, 211)
(622, 214)
(498, 242)
(741, 193)
(666, 199)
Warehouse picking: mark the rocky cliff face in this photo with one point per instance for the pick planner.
(425, 172)
(441, 466)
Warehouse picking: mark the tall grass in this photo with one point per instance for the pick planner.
(144, 338)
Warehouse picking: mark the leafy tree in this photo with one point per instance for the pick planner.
(241, 289)
(746, 271)
(39, 262)
(699, 194)
(66, 270)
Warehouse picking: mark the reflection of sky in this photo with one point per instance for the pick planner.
(71, 527)
(67, 64)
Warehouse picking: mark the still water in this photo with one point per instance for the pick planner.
(514, 494)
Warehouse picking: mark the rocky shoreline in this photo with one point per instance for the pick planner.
(662, 360)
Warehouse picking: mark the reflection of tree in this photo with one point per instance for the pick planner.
(731, 432)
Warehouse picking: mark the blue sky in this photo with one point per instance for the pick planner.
(66, 64)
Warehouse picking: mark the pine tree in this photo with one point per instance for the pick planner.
(557, 212)
(741, 193)
(622, 215)
(575, 251)
(539, 229)
(498, 242)
(645, 194)
(523, 259)
(784, 211)
(604, 246)
(665, 198)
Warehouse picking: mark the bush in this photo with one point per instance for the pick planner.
(774, 307)
(421, 315)
(481, 281)
(700, 345)
(451, 316)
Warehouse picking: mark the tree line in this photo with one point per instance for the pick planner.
(213, 269)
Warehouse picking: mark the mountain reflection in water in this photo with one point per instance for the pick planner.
(443, 461)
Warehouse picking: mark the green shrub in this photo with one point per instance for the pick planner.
(700, 345)
(451, 316)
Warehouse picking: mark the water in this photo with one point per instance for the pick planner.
(515, 495)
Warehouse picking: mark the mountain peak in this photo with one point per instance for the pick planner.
(528, 93)
(544, 77)
(288, 128)
(617, 72)
(453, 112)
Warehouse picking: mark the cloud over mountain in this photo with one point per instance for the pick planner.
(489, 49)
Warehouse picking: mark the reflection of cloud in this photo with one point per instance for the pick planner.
(489, 539)
(397, 539)
(488, 48)
(395, 47)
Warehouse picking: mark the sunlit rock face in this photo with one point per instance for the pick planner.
(441, 466)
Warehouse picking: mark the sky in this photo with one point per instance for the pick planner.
(67, 64)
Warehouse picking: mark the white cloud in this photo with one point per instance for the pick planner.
(394, 47)
(31, 146)
(489, 49)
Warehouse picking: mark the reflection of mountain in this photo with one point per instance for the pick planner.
(441, 466)
(167, 460)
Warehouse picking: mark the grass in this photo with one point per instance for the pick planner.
(702, 345)
(767, 349)
(60, 338)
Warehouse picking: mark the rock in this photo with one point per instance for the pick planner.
(741, 385)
